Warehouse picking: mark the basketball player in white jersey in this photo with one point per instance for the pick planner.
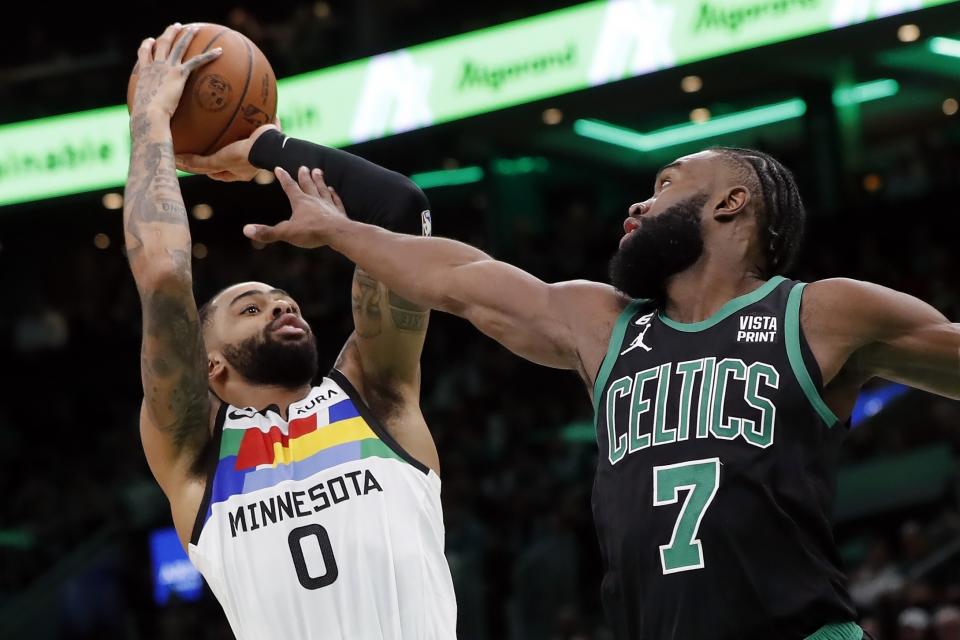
(312, 509)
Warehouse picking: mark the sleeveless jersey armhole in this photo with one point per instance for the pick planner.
(375, 424)
(213, 458)
(613, 350)
(802, 360)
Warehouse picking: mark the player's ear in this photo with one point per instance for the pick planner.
(733, 202)
(216, 366)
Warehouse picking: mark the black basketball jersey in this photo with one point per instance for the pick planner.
(716, 473)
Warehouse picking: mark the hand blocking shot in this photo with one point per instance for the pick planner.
(310, 503)
(722, 390)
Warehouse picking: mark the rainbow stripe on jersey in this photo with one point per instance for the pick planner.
(254, 458)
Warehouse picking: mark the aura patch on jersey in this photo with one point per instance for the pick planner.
(252, 459)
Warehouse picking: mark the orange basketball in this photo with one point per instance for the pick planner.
(225, 100)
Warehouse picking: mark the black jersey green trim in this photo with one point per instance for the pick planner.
(727, 310)
(837, 631)
(613, 350)
(791, 333)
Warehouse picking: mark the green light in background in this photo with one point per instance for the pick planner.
(520, 166)
(579, 432)
(447, 177)
(570, 49)
(606, 132)
(64, 154)
(945, 46)
(865, 92)
(691, 131)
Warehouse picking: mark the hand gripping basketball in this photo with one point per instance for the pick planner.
(162, 71)
(230, 164)
(225, 100)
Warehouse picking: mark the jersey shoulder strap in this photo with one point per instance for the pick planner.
(613, 346)
(801, 357)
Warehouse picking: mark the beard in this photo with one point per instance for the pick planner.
(661, 247)
(264, 359)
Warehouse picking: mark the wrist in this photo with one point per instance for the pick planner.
(149, 120)
(338, 232)
(265, 151)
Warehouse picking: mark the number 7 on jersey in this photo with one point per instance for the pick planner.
(700, 478)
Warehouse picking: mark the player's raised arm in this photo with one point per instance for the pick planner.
(176, 409)
(373, 194)
(390, 330)
(888, 334)
(539, 321)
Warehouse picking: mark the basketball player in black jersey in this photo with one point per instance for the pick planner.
(722, 391)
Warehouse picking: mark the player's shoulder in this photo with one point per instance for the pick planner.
(851, 297)
(843, 286)
(598, 295)
(588, 309)
(865, 309)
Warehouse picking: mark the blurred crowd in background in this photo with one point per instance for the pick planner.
(516, 441)
(43, 65)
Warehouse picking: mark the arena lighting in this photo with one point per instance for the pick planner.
(691, 84)
(202, 211)
(872, 401)
(865, 92)
(112, 201)
(908, 33)
(173, 574)
(101, 241)
(551, 54)
(447, 177)
(945, 46)
(691, 131)
(700, 114)
(520, 166)
(552, 116)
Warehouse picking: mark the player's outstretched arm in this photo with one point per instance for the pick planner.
(539, 321)
(176, 409)
(389, 329)
(374, 194)
(888, 334)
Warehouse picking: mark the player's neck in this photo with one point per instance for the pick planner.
(241, 393)
(699, 292)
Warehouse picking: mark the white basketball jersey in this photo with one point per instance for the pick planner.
(322, 527)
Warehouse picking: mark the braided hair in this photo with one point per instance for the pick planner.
(781, 216)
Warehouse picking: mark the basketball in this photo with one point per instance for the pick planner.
(225, 100)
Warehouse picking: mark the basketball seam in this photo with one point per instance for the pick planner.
(207, 48)
(212, 40)
(246, 85)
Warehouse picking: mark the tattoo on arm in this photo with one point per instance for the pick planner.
(406, 315)
(152, 194)
(173, 359)
(368, 317)
(366, 305)
(173, 366)
(387, 341)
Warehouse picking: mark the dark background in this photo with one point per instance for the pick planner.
(515, 441)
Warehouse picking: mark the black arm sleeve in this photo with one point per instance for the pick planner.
(369, 192)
